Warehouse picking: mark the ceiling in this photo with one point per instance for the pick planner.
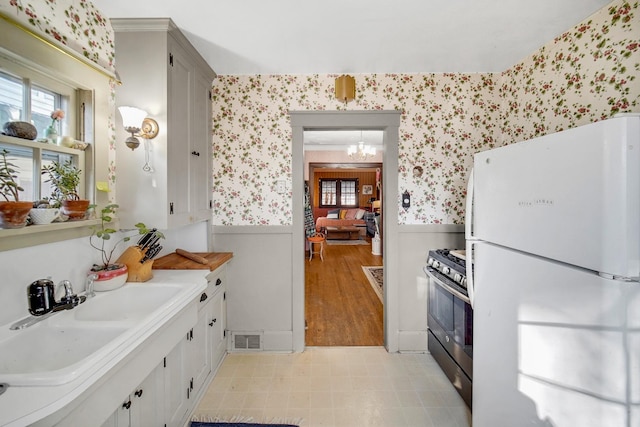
(362, 36)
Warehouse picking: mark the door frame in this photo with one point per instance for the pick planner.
(389, 123)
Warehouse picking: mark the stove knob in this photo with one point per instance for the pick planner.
(457, 278)
(436, 264)
(463, 282)
(446, 270)
(430, 262)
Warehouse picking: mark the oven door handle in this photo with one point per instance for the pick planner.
(446, 287)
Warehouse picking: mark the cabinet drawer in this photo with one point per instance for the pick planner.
(216, 281)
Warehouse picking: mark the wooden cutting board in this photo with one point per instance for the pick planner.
(173, 261)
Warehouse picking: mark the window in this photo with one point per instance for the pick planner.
(339, 193)
(35, 108)
(45, 78)
(30, 156)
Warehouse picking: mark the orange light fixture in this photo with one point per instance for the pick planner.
(345, 88)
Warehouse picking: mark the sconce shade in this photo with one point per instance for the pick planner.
(136, 122)
(345, 88)
(132, 118)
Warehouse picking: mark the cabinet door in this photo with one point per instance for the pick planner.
(176, 386)
(140, 407)
(200, 349)
(200, 150)
(144, 401)
(217, 329)
(180, 81)
(120, 418)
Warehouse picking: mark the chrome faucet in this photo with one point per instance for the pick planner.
(88, 287)
(69, 300)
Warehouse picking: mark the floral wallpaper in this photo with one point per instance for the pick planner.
(76, 24)
(586, 74)
(442, 116)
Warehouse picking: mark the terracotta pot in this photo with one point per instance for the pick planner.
(75, 209)
(110, 279)
(14, 214)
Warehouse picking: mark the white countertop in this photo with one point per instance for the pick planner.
(24, 405)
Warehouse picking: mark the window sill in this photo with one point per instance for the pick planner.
(39, 145)
(48, 233)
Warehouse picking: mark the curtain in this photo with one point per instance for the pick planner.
(309, 224)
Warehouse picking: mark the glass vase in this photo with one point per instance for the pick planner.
(51, 133)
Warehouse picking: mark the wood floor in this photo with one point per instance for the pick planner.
(341, 308)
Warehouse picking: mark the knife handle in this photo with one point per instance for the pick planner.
(192, 256)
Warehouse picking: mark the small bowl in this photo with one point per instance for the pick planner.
(44, 216)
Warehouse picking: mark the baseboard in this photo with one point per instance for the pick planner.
(412, 341)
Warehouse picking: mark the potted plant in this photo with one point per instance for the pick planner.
(110, 275)
(65, 179)
(13, 212)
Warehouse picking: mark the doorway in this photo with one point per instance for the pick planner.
(343, 292)
(388, 122)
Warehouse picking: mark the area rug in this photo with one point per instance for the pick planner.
(375, 276)
(223, 424)
(347, 242)
(241, 421)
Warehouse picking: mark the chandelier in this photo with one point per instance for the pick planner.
(361, 151)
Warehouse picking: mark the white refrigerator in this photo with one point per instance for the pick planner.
(553, 228)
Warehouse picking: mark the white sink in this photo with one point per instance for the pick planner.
(131, 302)
(43, 352)
(74, 342)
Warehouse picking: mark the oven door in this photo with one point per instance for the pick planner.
(450, 319)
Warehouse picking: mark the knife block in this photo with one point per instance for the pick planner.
(138, 272)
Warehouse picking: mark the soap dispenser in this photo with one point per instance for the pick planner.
(41, 297)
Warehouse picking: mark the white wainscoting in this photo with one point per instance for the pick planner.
(260, 281)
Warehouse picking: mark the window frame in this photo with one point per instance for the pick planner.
(338, 192)
(36, 152)
(90, 88)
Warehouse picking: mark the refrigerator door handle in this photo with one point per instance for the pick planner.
(469, 267)
(468, 220)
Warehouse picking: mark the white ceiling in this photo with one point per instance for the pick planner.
(362, 36)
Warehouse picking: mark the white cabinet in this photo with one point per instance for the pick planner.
(200, 345)
(164, 75)
(139, 408)
(207, 345)
(176, 385)
(191, 364)
(217, 329)
(169, 394)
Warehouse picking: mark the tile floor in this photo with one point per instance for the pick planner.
(335, 386)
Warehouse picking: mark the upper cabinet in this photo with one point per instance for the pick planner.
(163, 74)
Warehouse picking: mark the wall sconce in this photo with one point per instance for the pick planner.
(136, 122)
(345, 88)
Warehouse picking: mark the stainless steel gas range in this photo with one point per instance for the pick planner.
(450, 318)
